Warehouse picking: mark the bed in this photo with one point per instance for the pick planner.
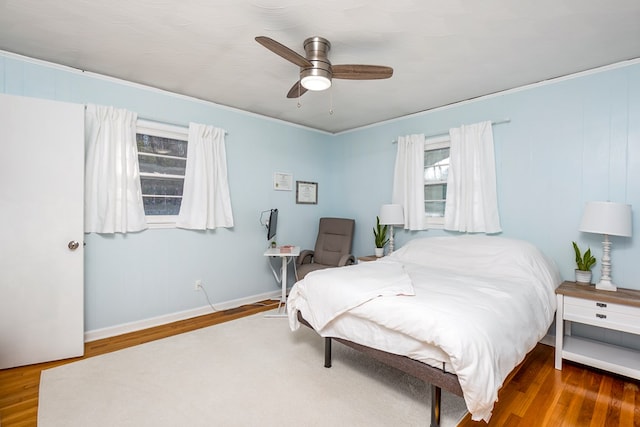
(460, 312)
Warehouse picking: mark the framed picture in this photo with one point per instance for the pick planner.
(307, 192)
(282, 181)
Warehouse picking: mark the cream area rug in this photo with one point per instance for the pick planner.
(248, 372)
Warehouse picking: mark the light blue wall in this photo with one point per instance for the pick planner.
(152, 273)
(568, 142)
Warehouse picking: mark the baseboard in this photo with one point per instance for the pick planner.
(124, 328)
(548, 340)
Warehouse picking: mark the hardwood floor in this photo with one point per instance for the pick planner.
(534, 395)
(19, 386)
(539, 395)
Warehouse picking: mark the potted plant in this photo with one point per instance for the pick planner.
(380, 237)
(583, 264)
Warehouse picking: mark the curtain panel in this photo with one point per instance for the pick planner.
(206, 202)
(408, 180)
(472, 202)
(113, 197)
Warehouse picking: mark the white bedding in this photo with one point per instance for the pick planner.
(478, 304)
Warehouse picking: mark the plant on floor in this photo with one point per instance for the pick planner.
(583, 262)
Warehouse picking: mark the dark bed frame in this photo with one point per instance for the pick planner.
(438, 379)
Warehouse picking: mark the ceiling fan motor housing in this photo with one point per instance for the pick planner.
(319, 76)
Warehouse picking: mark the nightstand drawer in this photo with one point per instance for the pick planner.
(601, 306)
(612, 316)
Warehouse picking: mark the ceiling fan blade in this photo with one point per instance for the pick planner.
(296, 90)
(361, 72)
(283, 51)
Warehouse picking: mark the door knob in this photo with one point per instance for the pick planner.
(73, 245)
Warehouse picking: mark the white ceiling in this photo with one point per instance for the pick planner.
(441, 51)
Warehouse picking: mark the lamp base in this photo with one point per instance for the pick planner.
(606, 285)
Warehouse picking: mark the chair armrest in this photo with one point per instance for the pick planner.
(305, 257)
(346, 260)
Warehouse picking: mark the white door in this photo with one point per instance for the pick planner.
(41, 216)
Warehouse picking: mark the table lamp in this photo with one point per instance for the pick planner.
(391, 215)
(610, 219)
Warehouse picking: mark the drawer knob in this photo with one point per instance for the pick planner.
(601, 304)
(601, 316)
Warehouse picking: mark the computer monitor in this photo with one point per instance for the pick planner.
(272, 224)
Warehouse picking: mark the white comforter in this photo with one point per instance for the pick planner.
(484, 301)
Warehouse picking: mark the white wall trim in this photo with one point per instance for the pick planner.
(69, 69)
(621, 64)
(549, 340)
(41, 62)
(138, 325)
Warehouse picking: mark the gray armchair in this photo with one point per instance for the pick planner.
(333, 247)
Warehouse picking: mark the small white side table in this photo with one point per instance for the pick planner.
(287, 254)
(618, 311)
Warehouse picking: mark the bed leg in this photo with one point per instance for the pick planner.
(436, 394)
(327, 352)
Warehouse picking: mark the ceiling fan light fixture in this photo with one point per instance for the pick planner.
(316, 83)
(316, 71)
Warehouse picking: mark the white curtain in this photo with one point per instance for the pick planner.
(206, 203)
(408, 180)
(472, 202)
(113, 198)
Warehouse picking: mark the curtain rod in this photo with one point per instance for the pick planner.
(446, 132)
(162, 122)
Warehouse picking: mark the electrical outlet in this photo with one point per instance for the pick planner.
(198, 285)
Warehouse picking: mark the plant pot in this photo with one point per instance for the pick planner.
(379, 252)
(583, 277)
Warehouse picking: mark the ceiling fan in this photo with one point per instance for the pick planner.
(316, 70)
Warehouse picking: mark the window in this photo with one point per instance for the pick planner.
(436, 171)
(162, 156)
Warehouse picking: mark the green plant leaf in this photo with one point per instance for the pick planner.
(380, 234)
(583, 262)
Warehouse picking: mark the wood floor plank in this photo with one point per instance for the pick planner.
(577, 396)
(19, 387)
(535, 394)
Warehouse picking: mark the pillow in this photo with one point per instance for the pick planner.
(483, 256)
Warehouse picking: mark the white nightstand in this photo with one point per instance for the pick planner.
(619, 311)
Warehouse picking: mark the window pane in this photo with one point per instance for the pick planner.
(436, 165)
(433, 157)
(435, 192)
(434, 209)
(164, 158)
(436, 173)
(162, 165)
(161, 187)
(161, 205)
(160, 145)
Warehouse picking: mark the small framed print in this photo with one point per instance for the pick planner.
(282, 181)
(306, 193)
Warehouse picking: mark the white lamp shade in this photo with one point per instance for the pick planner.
(609, 218)
(391, 215)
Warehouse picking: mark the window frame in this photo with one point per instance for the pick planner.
(435, 143)
(164, 130)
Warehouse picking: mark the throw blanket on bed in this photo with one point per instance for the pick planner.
(486, 321)
(366, 281)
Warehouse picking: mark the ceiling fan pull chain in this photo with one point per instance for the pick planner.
(331, 101)
(299, 84)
